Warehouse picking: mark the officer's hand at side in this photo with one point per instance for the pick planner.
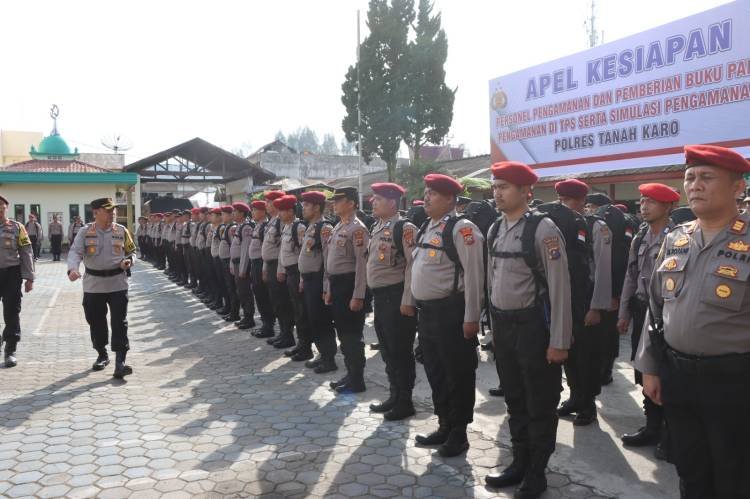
(615, 304)
(73, 275)
(593, 317)
(281, 277)
(28, 286)
(652, 387)
(470, 329)
(556, 355)
(327, 298)
(408, 310)
(265, 276)
(125, 264)
(301, 286)
(356, 304)
(623, 325)
(243, 275)
(231, 270)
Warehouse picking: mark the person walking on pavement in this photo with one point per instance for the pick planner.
(34, 230)
(695, 350)
(389, 257)
(345, 287)
(107, 251)
(55, 234)
(447, 282)
(16, 268)
(531, 326)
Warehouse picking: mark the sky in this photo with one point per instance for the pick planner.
(158, 73)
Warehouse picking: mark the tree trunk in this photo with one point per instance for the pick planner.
(391, 165)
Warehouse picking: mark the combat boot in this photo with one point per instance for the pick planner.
(403, 408)
(512, 475)
(437, 437)
(456, 444)
(102, 360)
(387, 404)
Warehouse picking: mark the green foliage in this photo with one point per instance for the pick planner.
(412, 178)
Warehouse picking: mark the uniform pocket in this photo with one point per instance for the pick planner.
(726, 287)
(8, 241)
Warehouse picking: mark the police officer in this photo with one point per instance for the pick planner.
(230, 227)
(212, 257)
(167, 241)
(55, 234)
(239, 265)
(34, 230)
(389, 279)
(345, 287)
(73, 229)
(695, 357)
(107, 251)
(191, 249)
(531, 327)
(448, 286)
(282, 307)
(186, 231)
(656, 203)
(583, 367)
(292, 235)
(316, 237)
(255, 253)
(16, 265)
(201, 292)
(140, 236)
(161, 257)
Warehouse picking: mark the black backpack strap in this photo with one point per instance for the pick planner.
(318, 245)
(262, 234)
(398, 235)
(449, 246)
(637, 241)
(295, 228)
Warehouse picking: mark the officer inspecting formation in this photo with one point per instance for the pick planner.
(554, 281)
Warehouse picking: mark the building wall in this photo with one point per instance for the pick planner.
(15, 145)
(105, 160)
(54, 198)
(318, 167)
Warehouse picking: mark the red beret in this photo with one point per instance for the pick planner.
(443, 184)
(659, 192)
(216, 211)
(315, 197)
(621, 207)
(258, 205)
(722, 157)
(572, 188)
(195, 211)
(159, 215)
(240, 206)
(287, 202)
(514, 172)
(417, 202)
(205, 209)
(227, 208)
(388, 190)
(271, 195)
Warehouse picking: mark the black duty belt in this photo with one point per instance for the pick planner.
(235, 261)
(716, 364)
(104, 273)
(517, 315)
(399, 286)
(440, 303)
(292, 269)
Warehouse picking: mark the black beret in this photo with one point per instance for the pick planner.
(598, 199)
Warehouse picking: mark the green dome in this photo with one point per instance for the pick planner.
(53, 145)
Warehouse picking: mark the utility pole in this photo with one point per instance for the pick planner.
(590, 25)
(359, 121)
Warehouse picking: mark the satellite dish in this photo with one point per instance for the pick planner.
(116, 143)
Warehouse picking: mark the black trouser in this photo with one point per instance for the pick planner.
(186, 267)
(450, 360)
(349, 325)
(210, 273)
(35, 246)
(95, 309)
(532, 385)
(221, 290)
(610, 342)
(707, 408)
(319, 314)
(10, 294)
(194, 265)
(55, 242)
(244, 287)
(161, 254)
(396, 334)
(654, 413)
(231, 291)
(297, 300)
(262, 297)
(583, 368)
(282, 305)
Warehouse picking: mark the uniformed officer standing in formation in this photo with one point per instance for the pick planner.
(183, 251)
(292, 235)
(389, 258)
(695, 357)
(260, 289)
(583, 367)
(199, 246)
(531, 328)
(657, 202)
(449, 295)
(227, 234)
(190, 249)
(73, 229)
(221, 303)
(34, 230)
(345, 287)
(55, 234)
(16, 265)
(141, 235)
(316, 237)
(159, 242)
(107, 251)
(239, 253)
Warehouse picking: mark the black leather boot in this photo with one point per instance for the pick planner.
(456, 444)
(102, 360)
(388, 403)
(437, 437)
(513, 474)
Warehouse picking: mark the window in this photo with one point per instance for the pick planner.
(88, 213)
(20, 213)
(36, 210)
(73, 212)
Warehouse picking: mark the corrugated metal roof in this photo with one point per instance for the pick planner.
(54, 166)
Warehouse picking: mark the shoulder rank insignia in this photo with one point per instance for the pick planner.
(739, 246)
(683, 241)
(738, 227)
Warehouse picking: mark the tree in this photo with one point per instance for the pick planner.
(383, 89)
(347, 148)
(280, 137)
(304, 140)
(329, 145)
(431, 108)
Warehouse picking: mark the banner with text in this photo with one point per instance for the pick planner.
(631, 103)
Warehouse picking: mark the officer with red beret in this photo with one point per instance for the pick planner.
(656, 203)
(531, 326)
(221, 301)
(447, 282)
(695, 357)
(239, 256)
(231, 310)
(255, 253)
(270, 249)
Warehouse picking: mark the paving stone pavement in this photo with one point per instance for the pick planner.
(212, 412)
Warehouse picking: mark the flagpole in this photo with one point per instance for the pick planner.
(359, 121)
